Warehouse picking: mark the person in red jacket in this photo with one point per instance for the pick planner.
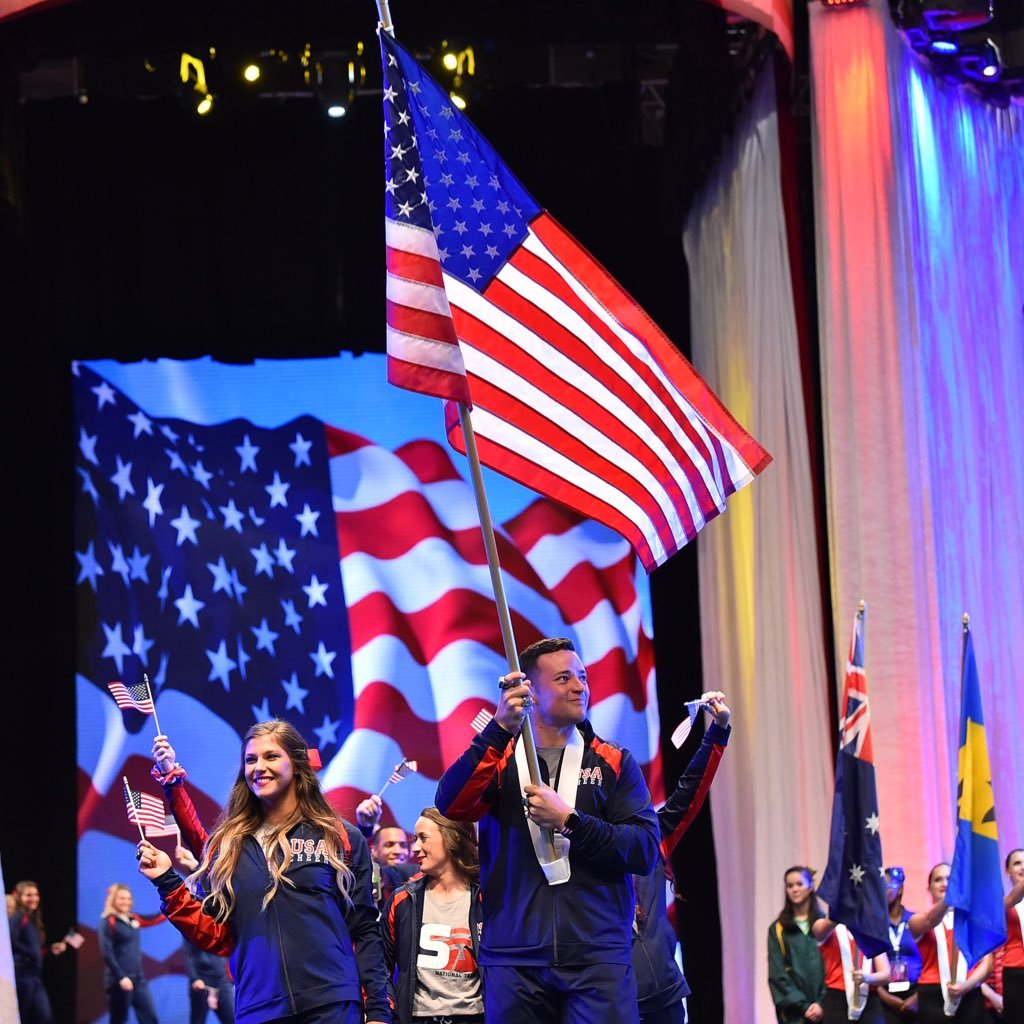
(949, 987)
(1013, 955)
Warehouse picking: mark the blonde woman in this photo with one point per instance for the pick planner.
(288, 891)
(121, 950)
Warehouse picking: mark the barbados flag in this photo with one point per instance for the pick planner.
(975, 880)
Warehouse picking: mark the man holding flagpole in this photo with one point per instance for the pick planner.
(557, 934)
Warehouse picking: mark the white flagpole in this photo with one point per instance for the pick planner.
(152, 700)
(504, 618)
(486, 526)
(128, 794)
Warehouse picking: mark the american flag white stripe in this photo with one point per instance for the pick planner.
(490, 426)
(482, 365)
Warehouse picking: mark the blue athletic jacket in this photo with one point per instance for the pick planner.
(659, 981)
(298, 953)
(587, 920)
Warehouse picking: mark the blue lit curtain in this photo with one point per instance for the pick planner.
(919, 188)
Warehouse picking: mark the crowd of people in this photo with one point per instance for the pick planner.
(510, 900)
(817, 973)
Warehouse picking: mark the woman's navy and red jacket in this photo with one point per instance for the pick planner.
(659, 981)
(588, 919)
(401, 921)
(298, 953)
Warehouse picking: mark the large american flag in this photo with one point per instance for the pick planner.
(491, 303)
(853, 885)
(314, 572)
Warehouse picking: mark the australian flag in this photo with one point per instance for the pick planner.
(854, 885)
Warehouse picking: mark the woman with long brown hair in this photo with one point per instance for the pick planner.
(28, 947)
(286, 889)
(431, 926)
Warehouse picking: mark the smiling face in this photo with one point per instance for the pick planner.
(1015, 866)
(428, 849)
(28, 898)
(122, 901)
(268, 769)
(938, 882)
(391, 846)
(560, 689)
(798, 888)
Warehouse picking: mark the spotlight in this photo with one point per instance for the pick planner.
(944, 46)
(450, 61)
(458, 100)
(337, 110)
(191, 70)
(251, 73)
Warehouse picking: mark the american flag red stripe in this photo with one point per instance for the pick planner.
(135, 696)
(575, 391)
(145, 810)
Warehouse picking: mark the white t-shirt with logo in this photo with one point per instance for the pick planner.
(447, 976)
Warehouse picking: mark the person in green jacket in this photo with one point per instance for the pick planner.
(796, 973)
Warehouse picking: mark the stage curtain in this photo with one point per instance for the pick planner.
(920, 257)
(760, 603)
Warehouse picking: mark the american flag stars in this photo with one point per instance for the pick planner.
(433, 186)
(248, 596)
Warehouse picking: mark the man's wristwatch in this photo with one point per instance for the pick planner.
(571, 823)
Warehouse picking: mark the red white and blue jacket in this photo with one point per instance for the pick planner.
(660, 983)
(588, 919)
(308, 948)
(401, 921)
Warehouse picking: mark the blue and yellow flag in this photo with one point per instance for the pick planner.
(975, 880)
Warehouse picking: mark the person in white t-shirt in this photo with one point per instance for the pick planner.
(431, 927)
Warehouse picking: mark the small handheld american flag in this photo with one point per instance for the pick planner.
(136, 696)
(682, 730)
(143, 810)
(168, 828)
(406, 767)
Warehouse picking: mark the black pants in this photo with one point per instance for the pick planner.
(929, 1007)
(199, 1006)
(139, 999)
(1013, 994)
(836, 1010)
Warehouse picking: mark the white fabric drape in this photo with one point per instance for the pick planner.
(761, 616)
(920, 246)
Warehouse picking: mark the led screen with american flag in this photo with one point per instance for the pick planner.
(298, 539)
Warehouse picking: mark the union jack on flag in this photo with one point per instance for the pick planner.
(855, 720)
(853, 885)
(492, 304)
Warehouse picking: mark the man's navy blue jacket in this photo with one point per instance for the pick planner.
(587, 920)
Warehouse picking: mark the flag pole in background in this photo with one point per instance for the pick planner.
(853, 885)
(491, 547)
(975, 877)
